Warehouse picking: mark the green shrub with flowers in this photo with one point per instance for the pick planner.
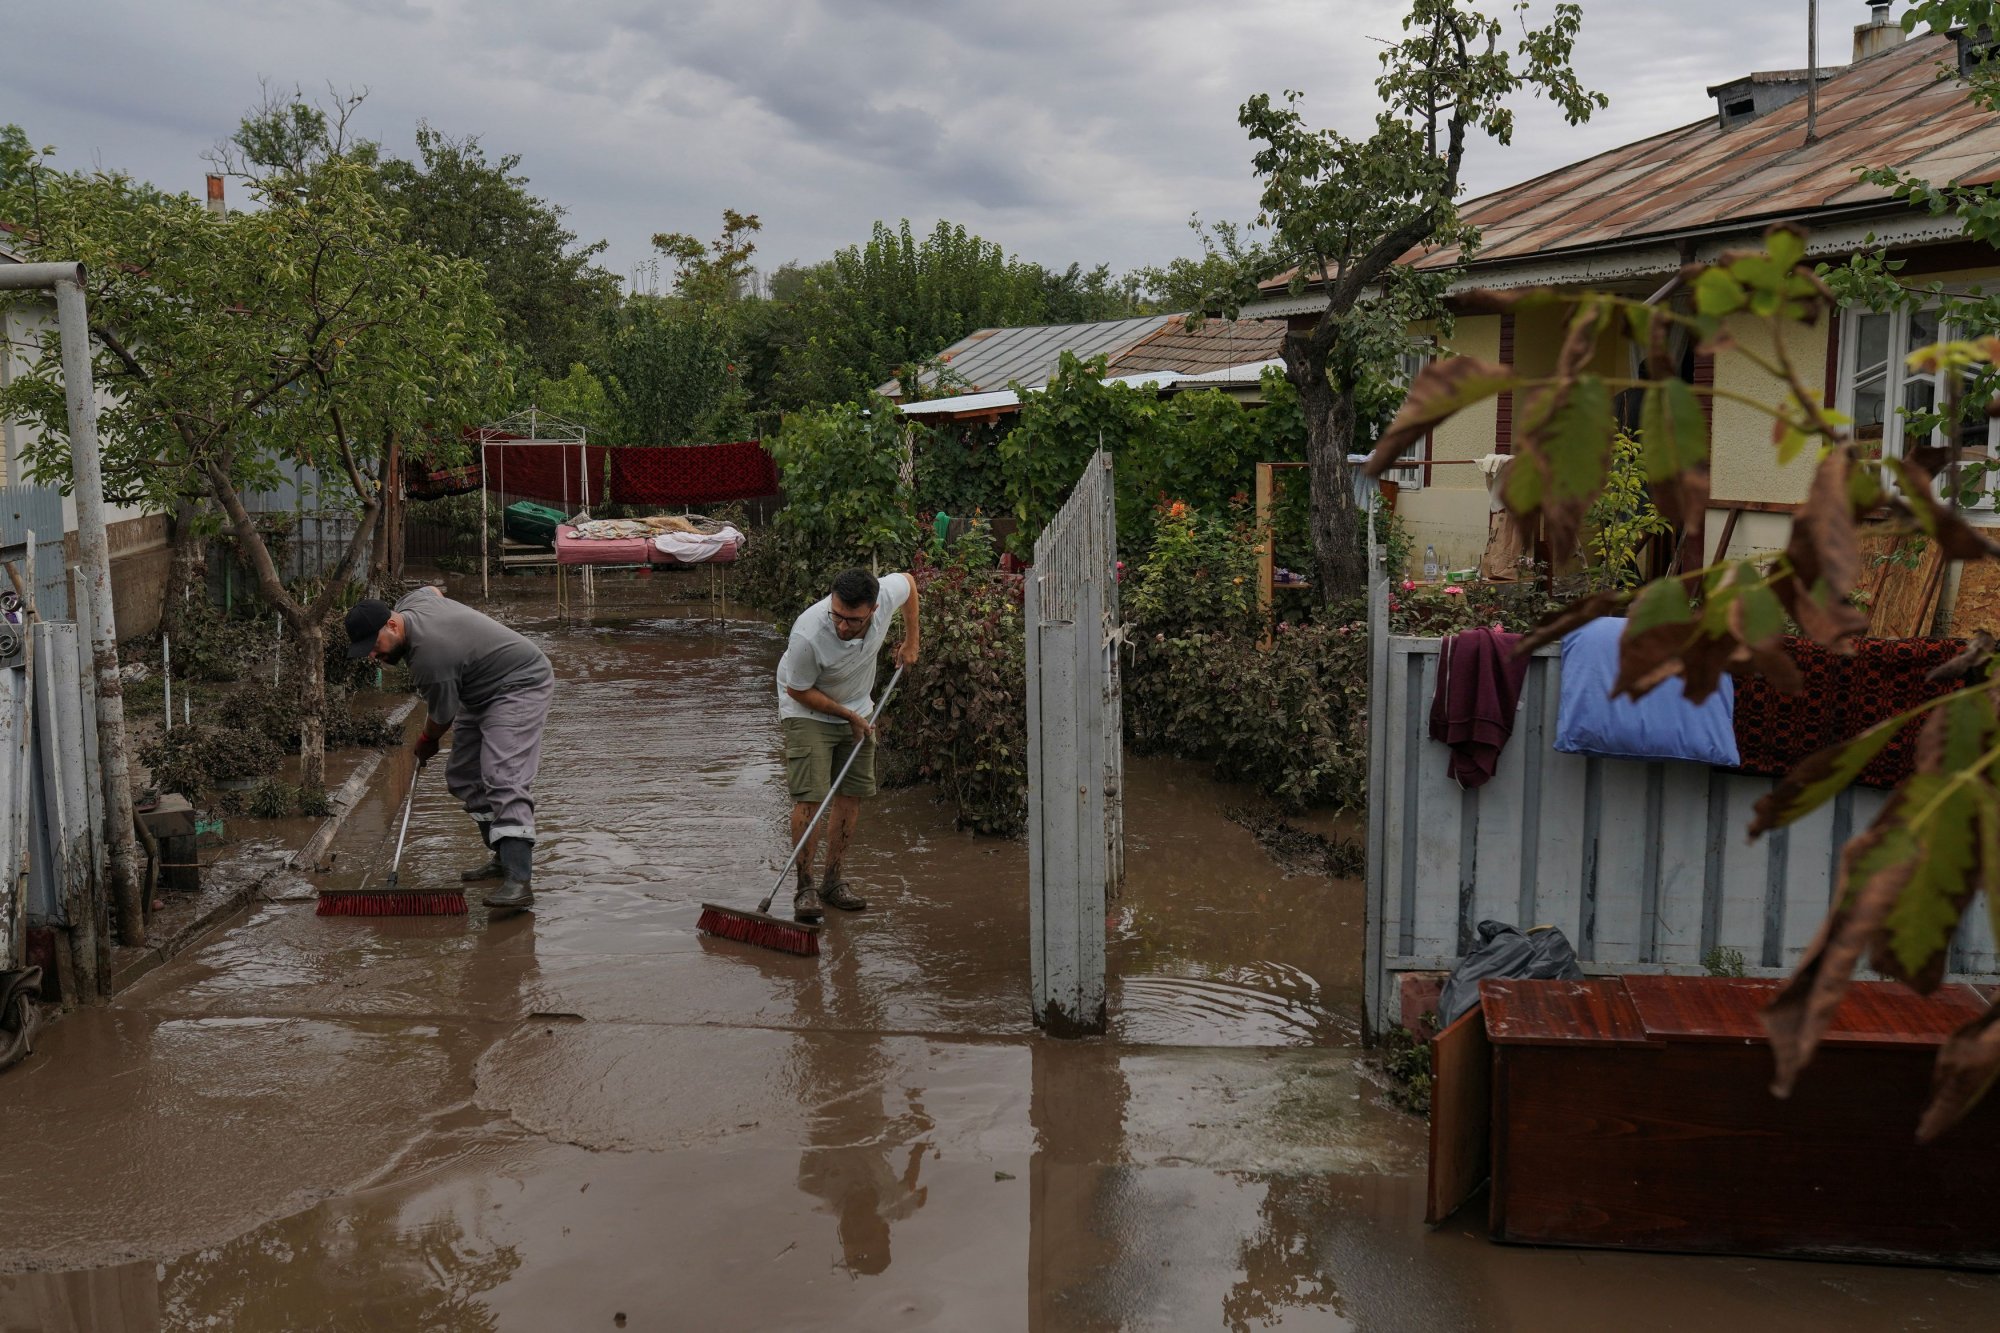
(1291, 718)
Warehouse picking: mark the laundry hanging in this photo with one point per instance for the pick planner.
(1661, 725)
(1478, 694)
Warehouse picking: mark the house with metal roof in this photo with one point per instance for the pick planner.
(1629, 219)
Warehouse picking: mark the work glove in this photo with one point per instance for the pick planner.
(426, 749)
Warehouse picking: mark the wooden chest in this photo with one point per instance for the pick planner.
(1635, 1113)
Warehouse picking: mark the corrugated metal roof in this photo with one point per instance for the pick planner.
(993, 358)
(1217, 345)
(1892, 110)
(1001, 402)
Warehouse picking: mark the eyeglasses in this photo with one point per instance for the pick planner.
(836, 619)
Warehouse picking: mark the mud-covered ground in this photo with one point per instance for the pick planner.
(595, 1118)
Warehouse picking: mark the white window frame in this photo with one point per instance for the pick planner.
(1897, 379)
(1409, 474)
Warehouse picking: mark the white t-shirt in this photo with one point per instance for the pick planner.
(843, 669)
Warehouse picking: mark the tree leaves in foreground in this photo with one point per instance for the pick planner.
(1906, 880)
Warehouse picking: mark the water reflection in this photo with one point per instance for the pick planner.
(125, 1297)
(863, 1163)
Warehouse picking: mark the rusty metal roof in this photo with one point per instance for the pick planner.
(1893, 110)
(1217, 345)
(1906, 108)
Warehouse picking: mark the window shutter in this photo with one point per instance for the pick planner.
(1503, 425)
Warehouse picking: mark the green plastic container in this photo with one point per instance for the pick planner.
(532, 523)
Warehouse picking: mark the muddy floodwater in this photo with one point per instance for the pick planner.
(594, 1118)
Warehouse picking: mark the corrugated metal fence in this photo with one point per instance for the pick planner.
(37, 510)
(1644, 866)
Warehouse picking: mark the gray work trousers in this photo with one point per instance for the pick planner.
(495, 751)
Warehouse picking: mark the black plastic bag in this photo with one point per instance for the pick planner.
(1541, 954)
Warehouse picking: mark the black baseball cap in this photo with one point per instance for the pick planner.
(364, 622)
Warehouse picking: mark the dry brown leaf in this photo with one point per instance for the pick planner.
(1441, 388)
(1967, 1064)
(1825, 556)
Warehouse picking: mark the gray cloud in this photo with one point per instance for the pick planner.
(1063, 130)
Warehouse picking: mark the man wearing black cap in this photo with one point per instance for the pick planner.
(490, 688)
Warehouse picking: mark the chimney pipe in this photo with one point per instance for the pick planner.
(216, 205)
(1879, 34)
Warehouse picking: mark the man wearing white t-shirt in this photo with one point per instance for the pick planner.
(826, 683)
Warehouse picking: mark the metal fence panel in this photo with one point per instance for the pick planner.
(1075, 755)
(37, 509)
(14, 787)
(1644, 866)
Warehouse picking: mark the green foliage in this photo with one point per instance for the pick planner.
(1290, 718)
(1199, 574)
(847, 504)
(1201, 448)
(1623, 520)
(578, 397)
(965, 716)
(551, 296)
(896, 300)
(668, 376)
(959, 470)
(1721, 962)
(1406, 1059)
(712, 275)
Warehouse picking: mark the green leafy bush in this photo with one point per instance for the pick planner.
(963, 720)
(847, 503)
(191, 759)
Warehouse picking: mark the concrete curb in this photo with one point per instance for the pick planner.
(347, 797)
(217, 903)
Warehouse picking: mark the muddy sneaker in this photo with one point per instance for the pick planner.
(805, 904)
(833, 891)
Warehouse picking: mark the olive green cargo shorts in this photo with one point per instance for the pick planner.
(814, 752)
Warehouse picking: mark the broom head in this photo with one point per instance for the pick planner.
(389, 902)
(759, 928)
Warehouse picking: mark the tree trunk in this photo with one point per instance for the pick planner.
(311, 648)
(1340, 548)
(187, 545)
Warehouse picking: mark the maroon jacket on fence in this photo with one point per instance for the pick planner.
(1478, 689)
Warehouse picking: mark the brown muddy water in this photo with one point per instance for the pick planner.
(594, 1118)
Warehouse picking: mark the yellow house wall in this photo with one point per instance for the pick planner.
(1743, 463)
(1450, 511)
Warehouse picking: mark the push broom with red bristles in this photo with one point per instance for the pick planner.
(759, 927)
(390, 900)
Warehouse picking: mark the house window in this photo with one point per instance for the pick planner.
(1888, 401)
(1410, 477)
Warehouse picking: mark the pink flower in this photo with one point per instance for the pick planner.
(1453, 590)
(1409, 585)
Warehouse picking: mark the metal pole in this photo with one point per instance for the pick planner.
(167, 675)
(1812, 70)
(485, 588)
(94, 552)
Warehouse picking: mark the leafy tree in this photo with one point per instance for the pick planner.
(1208, 284)
(578, 397)
(713, 274)
(1077, 296)
(875, 308)
(1342, 212)
(302, 332)
(551, 295)
(668, 374)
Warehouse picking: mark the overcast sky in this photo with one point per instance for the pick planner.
(1063, 129)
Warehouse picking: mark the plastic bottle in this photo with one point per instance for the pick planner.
(1430, 562)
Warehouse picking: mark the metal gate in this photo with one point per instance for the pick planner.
(1076, 765)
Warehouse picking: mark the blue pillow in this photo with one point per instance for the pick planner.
(1663, 725)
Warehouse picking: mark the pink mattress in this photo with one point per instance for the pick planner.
(574, 550)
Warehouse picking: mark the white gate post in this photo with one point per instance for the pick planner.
(1075, 770)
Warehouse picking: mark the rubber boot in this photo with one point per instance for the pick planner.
(516, 856)
(805, 903)
(490, 868)
(833, 891)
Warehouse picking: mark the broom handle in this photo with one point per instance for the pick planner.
(831, 791)
(396, 866)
